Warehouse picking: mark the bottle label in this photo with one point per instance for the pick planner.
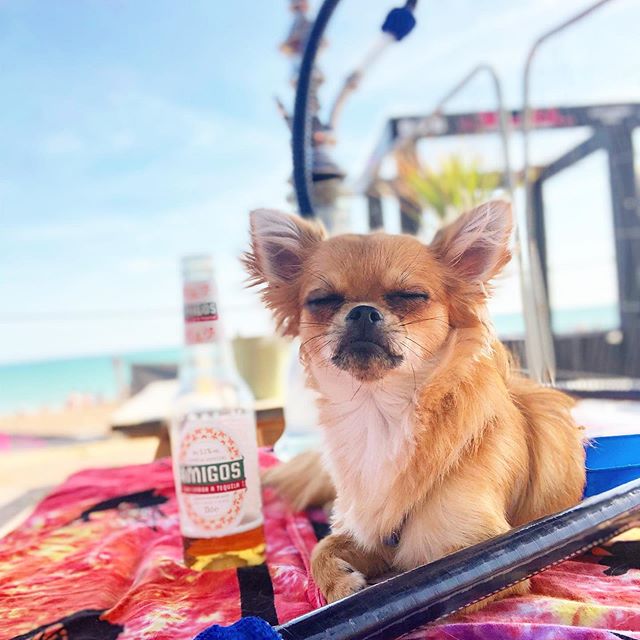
(217, 473)
(213, 478)
(200, 312)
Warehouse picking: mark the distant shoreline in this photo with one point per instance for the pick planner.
(85, 422)
(33, 386)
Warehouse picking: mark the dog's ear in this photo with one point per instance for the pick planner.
(280, 243)
(476, 245)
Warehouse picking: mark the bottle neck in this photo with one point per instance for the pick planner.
(205, 365)
(207, 354)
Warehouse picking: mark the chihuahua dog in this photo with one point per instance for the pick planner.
(433, 442)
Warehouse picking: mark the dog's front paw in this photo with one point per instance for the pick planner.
(338, 579)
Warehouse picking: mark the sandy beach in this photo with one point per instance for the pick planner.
(51, 445)
(77, 422)
(28, 474)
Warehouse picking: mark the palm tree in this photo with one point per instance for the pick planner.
(451, 188)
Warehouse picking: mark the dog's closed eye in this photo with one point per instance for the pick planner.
(406, 298)
(319, 301)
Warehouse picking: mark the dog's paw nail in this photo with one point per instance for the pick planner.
(351, 581)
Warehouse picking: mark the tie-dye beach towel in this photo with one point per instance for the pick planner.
(100, 558)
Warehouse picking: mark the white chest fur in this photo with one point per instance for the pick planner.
(369, 435)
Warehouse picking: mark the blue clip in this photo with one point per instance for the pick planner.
(399, 23)
(392, 540)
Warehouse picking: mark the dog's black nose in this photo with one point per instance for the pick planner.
(364, 315)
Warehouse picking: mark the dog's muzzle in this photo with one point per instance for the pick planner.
(364, 347)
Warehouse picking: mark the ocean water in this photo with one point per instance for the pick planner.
(563, 321)
(33, 385)
(49, 383)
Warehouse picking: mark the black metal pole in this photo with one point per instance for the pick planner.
(301, 126)
(403, 603)
(626, 221)
(395, 24)
(376, 215)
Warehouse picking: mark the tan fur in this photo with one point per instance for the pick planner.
(452, 446)
(282, 292)
(303, 481)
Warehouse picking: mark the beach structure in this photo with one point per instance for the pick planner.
(401, 604)
(611, 129)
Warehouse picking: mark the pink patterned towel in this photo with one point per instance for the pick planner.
(101, 558)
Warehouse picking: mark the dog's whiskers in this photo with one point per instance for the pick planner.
(415, 353)
(319, 348)
(415, 383)
(356, 392)
(436, 318)
(306, 342)
(427, 351)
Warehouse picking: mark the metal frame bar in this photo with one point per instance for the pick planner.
(504, 125)
(408, 223)
(392, 136)
(625, 206)
(616, 139)
(542, 367)
(579, 152)
(526, 97)
(482, 122)
(592, 144)
(428, 593)
(376, 214)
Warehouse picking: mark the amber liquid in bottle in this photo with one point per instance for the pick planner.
(235, 550)
(213, 440)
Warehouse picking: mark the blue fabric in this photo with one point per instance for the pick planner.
(244, 629)
(399, 23)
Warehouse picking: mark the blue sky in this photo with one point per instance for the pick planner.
(135, 132)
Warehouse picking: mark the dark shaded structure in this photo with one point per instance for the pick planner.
(611, 127)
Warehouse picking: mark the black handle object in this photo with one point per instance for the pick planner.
(400, 604)
(301, 126)
(399, 23)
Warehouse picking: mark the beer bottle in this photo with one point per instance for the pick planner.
(213, 438)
